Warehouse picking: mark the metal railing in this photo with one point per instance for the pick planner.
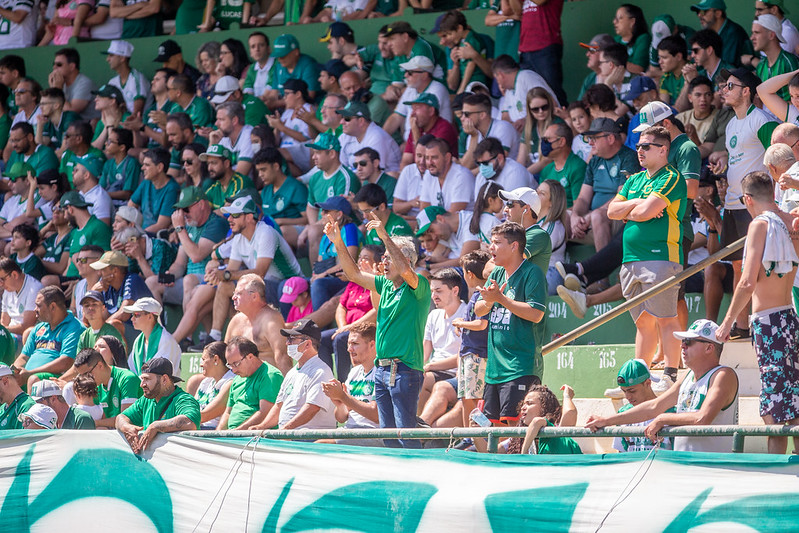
(494, 434)
(629, 304)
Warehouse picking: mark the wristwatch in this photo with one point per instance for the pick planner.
(226, 275)
(178, 229)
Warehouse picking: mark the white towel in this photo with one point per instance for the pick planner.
(779, 254)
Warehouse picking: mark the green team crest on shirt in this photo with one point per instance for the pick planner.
(734, 141)
(82, 240)
(115, 401)
(613, 170)
(280, 204)
(519, 106)
(289, 389)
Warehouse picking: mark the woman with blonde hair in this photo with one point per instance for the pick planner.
(533, 154)
(207, 60)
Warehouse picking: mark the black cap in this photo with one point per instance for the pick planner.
(603, 125)
(293, 84)
(306, 327)
(166, 50)
(49, 176)
(335, 68)
(746, 77)
(159, 366)
(93, 295)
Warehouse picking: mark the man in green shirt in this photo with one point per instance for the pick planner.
(284, 198)
(118, 388)
(76, 141)
(712, 15)
(522, 207)
(51, 132)
(183, 92)
(766, 38)
(368, 168)
(514, 298)
(291, 64)
(254, 389)
(24, 149)
(14, 400)
(47, 392)
(88, 230)
(383, 68)
(401, 316)
(165, 408)
(227, 182)
(372, 199)
(93, 305)
(671, 59)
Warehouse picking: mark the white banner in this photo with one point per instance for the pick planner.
(56, 481)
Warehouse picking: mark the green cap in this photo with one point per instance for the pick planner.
(18, 170)
(216, 150)
(355, 109)
(427, 216)
(283, 45)
(74, 199)
(110, 91)
(632, 373)
(189, 196)
(426, 99)
(704, 5)
(779, 3)
(241, 206)
(92, 163)
(325, 141)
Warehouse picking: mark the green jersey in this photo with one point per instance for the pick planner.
(55, 246)
(736, 42)
(381, 71)
(475, 42)
(31, 265)
(514, 344)
(571, 176)
(685, 157)
(100, 126)
(141, 27)
(227, 12)
(89, 337)
(188, 17)
(637, 50)
(538, 249)
(77, 419)
(217, 194)
(120, 177)
(199, 110)
(9, 413)
(5, 128)
(306, 69)
(123, 387)
(56, 132)
(255, 110)
(69, 159)
(507, 34)
(146, 411)
(605, 176)
(388, 184)
(8, 347)
(168, 107)
(339, 183)
(559, 445)
(401, 319)
(395, 225)
(288, 201)
(43, 158)
(246, 393)
(94, 232)
(671, 84)
(784, 63)
(659, 238)
(215, 229)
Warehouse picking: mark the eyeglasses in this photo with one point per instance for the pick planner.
(365, 212)
(84, 260)
(540, 109)
(468, 114)
(360, 164)
(551, 140)
(691, 342)
(409, 72)
(487, 161)
(236, 364)
(593, 138)
(111, 141)
(89, 372)
(296, 340)
(696, 50)
(729, 85)
(644, 147)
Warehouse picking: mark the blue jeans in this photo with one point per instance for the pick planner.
(330, 348)
(396, 406)
(324, 289)
(548, 63)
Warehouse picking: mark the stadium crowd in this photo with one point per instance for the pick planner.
(369, 238)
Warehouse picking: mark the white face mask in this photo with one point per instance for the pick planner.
(256, 147)
(294, 351)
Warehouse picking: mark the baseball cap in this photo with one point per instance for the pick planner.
(399, 27)
(336, 203)
(437, 25)
(701, 329)
(119, 48)
(189, 196)
(92, 295)
(241, 206)
(746, 77)
(41, 414)
(45, 388)
(638, 86)
(92, 163)
(283, 45)
(144, 305)
(780, 4)
(771, 23)
(325, 141)
(704, 5)
(525, 195)
(651, 114)
(225, 86)
(292, 288)
(419, 63)
(633, 372)
(166, 50)
(603, 125)
(600, 41)
(216, 150)
(112, 258)
(355, 108)
(131, 214)
(426, 99)
(110, 91)
(337, 29)
(160, 366)
(18, 170)
(335, 67)
(5, 370)
(662, 27)
(306, 327)
(427, 216)
(48, 176)
(74, 199)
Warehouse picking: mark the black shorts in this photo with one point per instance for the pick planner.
(502, 400)
(734, 225)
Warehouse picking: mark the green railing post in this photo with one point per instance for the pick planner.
(738, 442)
(493, 442)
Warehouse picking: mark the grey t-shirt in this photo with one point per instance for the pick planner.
(81, 89)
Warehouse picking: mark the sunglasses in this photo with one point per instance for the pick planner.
(58, 64)
(236, 215)
(84, 260)
(360, 164)
(487, 161)
(644, 147)
(696, 50)
(540, 109)
(187, 162)
(511, 204)
(729, 85)
(347, 119)
(468, 114)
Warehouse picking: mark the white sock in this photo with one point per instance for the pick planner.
(215, 334)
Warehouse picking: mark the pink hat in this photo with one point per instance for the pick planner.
(293, 288)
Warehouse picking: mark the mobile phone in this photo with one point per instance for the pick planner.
(166, 278)
(479, 418)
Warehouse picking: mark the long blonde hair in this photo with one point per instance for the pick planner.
(530, 122)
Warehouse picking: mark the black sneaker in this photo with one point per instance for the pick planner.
(196, 348)
(737, 334)
(464, 444)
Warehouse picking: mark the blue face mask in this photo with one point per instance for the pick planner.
(546, 147)
(487, 171)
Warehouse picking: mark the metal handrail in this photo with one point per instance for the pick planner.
(629, 304)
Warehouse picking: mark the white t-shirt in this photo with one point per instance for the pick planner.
(557, 235)
(410, 94)
(300, 153)
(16, 303)
(458, 187)
(22, 117)
(791, 36)
(700, 228)
(375, 138)
(513, 176)
(13, 208)
(581, 148)
(209, 388)
(506, 134)
(345, 7)
(100, 200)
(487, 223)
(361, 386)
(243, 147)
(462, 235)
(409, 186)
(440, 332)
(20, 35)
(111, 28)
(302, 386)
(261, 83)
(137, 86)
(745, 152)
(265, 242)
(167, 348)
(514, 101)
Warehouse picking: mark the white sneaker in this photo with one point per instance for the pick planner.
(663, 385)
(572, 282)
(574, 299)
(615, 394)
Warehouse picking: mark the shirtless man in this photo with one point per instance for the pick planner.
(258, 321)
(775, 325)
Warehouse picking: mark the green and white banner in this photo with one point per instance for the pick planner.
(90, 481)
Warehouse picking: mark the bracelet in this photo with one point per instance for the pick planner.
(712, 231)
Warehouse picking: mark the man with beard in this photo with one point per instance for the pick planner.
(409, 184)
(165, 408)
(157, 192)
(360, 132)
(452, 185)
(227, 182)
(425, 120)
(383, 67)
(233, 134)
(85, 178)
(88, 230)
(198, 229)
(24, 149)
(179, 133)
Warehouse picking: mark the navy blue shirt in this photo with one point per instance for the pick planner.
(475, 342)
(132, 288)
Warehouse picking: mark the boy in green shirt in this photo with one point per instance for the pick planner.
(466, 53)
(671, 58)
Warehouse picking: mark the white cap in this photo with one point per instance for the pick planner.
(41, 414)
(225, 86)
(771, 23)
(660, 30)
(120, 48)
(144, 305)
(44, 388)
(131, 214)
(525, 195)
(651, 114)
(701, 329)
(419, 63)
(5, 370)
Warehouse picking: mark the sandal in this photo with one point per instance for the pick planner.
(657, 365)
